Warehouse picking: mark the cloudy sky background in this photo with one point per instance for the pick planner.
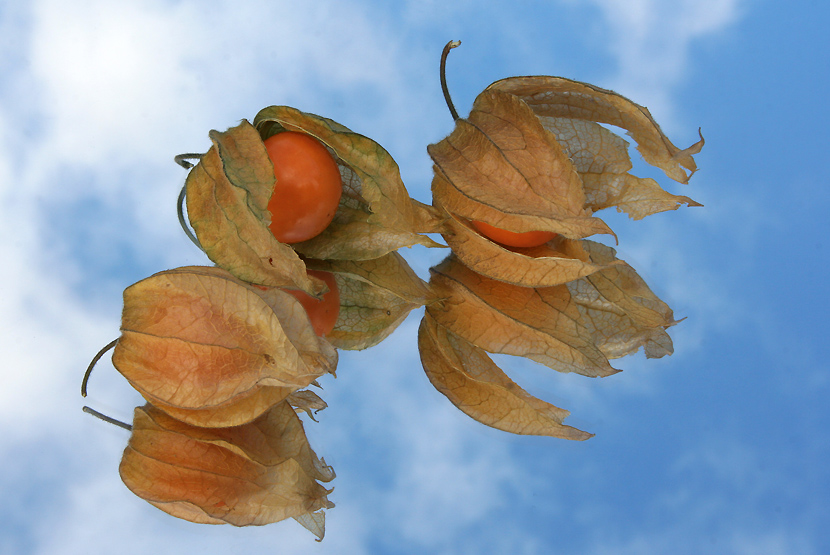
(721, 448)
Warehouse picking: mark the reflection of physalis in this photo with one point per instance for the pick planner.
(572, 327)
(228, 195)
(257, 473)
(225, 367)
(518, 183)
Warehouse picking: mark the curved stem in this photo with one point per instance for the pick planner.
(182, 159)
(443, 74)
(183, 221)
(106, 418)
(92, 364)
(88, 372)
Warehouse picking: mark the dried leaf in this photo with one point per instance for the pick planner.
(620, 309)
(638, 197)
(501, 166)
(557, 262)
(214, 351)
(375, 298)
(306, 401)
(254, 474)
(314, 523)
(375, 200)
(227, 199)
(560, 97)
(473, 383)
(350, 236)
(542, 324)
(428, 218)
(390, 272)
(233, 412)
(602, 160)
(368, 314)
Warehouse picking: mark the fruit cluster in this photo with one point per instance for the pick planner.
(303, 219)
(519, 182)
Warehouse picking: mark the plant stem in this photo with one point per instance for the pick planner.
(88, 372)
(108, 419)
(92, 364)
(183, 221)
(182, 159)
(443, 74)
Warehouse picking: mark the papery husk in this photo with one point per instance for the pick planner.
(375, 298)
(227, 204)
(554, 263)
(479, 388)
(376, 214)
(214, 351)
(502, 167)
(565, 98)
(254, 474)
(621, 311)
(602, 160)
(542, 324)
(575, 327)
(229, 189)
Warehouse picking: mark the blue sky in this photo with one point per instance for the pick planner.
(720, 448)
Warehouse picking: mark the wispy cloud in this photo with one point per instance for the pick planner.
(651, 41)
(156, 73)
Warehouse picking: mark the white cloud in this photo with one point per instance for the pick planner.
(120, 82)
(651, 41)
(45, 332)
(451, 479)
(111, 75)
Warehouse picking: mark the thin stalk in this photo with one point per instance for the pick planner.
(182, 159)
(443, 74)
(183, 220)
(84, 382)
(92, 364)
(108, 419)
